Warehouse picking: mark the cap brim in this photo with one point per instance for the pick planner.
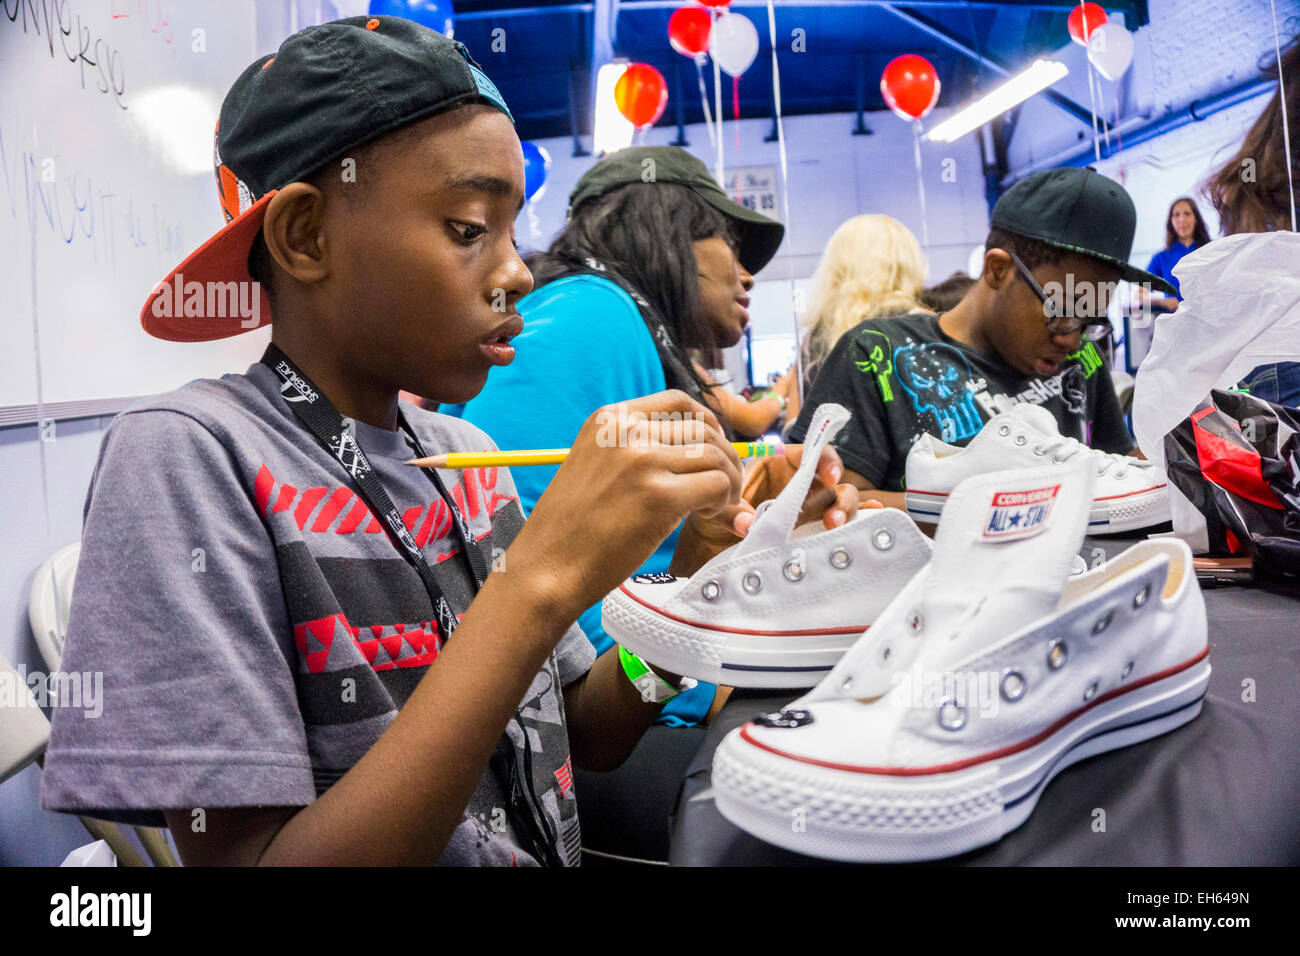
(216, 314)
(1133, 274)
(1127, 272)
(760, 236)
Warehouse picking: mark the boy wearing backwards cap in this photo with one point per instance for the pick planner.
(283, 684)
(1023, 333)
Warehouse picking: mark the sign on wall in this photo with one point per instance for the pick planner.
(754, 187)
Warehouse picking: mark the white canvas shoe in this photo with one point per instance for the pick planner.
(1130, 493)
(993, 671)
(782, 606)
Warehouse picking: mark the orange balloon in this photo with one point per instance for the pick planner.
(641, 94)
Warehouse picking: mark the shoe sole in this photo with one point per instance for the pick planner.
(1112, 515)
(852, 816)
(732, 657)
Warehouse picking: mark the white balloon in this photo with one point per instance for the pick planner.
(1110, 48)
(733, 43)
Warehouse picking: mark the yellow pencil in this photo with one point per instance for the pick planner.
(553, 456)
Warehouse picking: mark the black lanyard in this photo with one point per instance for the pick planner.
(323, 420)
(320, 417)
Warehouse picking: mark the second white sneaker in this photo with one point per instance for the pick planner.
(1130, 493)
(991, 672)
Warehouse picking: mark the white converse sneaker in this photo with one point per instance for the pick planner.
(1130, 493)
(779, 608)
(993, 671)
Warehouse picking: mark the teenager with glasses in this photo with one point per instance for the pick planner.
(1027, 331)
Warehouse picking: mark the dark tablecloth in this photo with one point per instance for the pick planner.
(1222, 790)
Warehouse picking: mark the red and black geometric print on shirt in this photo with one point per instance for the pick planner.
(342, 511)
(364, 630)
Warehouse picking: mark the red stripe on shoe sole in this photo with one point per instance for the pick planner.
(1127, 494)
(991, 755)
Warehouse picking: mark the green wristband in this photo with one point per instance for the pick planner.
(653, 688)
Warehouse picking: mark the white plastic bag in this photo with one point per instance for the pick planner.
(92, 854)
(1240, 309)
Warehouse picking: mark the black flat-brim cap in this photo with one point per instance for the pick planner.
(759, 236)
(1079, 210)
(327, 90)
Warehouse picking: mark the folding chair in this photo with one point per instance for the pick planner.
(47, 609)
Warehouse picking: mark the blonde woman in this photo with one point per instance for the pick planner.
(872, 267)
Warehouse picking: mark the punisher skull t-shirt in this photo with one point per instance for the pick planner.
(903, 376)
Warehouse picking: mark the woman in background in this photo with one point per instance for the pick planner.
(872, 267)
(1185, 232)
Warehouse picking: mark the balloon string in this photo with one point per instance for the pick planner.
(1286, 126)
(920, 183)
(1092, 100)
(735, 112)
(721, 171)
(785, 196)
(704, 99)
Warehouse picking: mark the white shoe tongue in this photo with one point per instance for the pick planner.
(1011, 537)
(1036, 416)
(771, 529)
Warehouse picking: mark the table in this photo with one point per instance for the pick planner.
(1222, 790)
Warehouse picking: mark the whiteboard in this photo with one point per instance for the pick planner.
(106, 167)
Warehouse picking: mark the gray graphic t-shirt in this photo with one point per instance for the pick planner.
(257, 630)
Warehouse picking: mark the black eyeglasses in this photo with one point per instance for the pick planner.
(1093, 328)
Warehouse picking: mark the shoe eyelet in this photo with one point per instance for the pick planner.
(1103, 622)
(1090, 691)
(1013, 685)
(752, 582)
(916, 623)
(1021, 439)
(1121, 474)
(1039, 450)
(1057, 654)
(1057, 459)
(1004, 430)
(1140, 598)
(1128, 669)
(793, 569)
(952, 715)
(883, 539)
(711, 590)
(841, 559)
(886, 652)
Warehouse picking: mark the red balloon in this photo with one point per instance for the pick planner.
(910, 86)
(641, 94)
(688, 31)
(715, 3)
(1091, 12)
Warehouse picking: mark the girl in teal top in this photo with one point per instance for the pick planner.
(653, 264)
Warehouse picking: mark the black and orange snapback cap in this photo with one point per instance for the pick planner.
(328, 89)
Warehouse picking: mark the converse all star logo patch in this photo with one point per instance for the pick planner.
(1019, 514)
(658, 577)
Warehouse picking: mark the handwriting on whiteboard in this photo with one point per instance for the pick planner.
(78, 209)
(60, 28)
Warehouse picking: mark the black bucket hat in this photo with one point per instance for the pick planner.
(1079, 210)
(759, 236)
